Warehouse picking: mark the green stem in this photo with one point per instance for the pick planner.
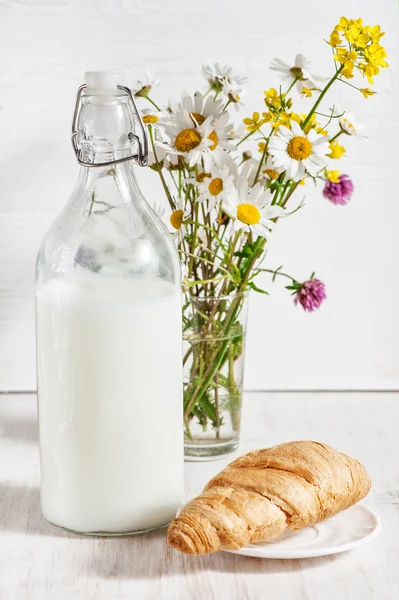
(336, 135)
(152, 101)
(260, 164)
(226, 105)
(217, 359)
(209, 262)
(192, 256)
(278, 273)
(292, 190)
(350, 84)
(203, 281)
(320, 98)
(292, 85)
(246, 137)
(159, 169)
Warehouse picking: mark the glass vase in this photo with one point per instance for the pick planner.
(214, 334)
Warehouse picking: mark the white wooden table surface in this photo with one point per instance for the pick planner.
(41, 562)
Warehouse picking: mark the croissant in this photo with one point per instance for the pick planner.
(266, 492)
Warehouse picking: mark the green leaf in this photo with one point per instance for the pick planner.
(253, 286)
(207, 407)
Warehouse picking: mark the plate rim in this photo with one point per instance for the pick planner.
(304, 553)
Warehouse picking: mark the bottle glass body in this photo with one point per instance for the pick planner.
(108, 314)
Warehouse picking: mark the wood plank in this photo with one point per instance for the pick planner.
(41, 562)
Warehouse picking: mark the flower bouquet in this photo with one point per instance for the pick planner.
(224, 206)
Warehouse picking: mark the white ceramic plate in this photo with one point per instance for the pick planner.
(344, 531)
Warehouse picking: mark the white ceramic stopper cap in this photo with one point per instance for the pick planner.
(102, 80)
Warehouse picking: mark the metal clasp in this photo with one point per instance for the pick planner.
(141, 157)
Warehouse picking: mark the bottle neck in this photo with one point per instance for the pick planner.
(106, 127)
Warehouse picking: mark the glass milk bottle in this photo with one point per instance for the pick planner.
(108, 322)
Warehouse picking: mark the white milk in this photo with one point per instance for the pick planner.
(110, 402)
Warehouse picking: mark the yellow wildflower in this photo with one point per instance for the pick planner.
(367, 92)
(297, 118)
(311, 124)
(273, 98)
(261, 147)
(321, 130)
(376, 55)
(307, 91)
(343, 55)
(336, 149)
(285, 119)
(347, 58)
(347, 71)
(356, 35)
(333, 176)
(343, 24)
(254, 123)
(302, 182)
(374, 32)
(335, 40)
(369, 71)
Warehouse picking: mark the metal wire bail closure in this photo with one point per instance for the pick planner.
(141, 157)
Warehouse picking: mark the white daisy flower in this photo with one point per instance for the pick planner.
(234, 93)
(161, 155)
(249, 170)
(220, 138)
(191, 141)
(268, 171)
(215, 186)
(224, 159)
(238, 132)
(251, 210)
(217, 75)
(349, 126)
(144, 87)
(155, 118)
(298, 71)
(177, 220)
(201, 108)
(295, 152)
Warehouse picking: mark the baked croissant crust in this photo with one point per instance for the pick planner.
(266, 492)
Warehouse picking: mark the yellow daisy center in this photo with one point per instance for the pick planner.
(150, 119)
(271, 173)
(216, 186)
(176, 219)
(199, 119)
(213, 136)
(187, 140)
(299, 147)
(297, 72)
(248, 214)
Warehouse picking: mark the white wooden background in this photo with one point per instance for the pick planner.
(46, 45)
